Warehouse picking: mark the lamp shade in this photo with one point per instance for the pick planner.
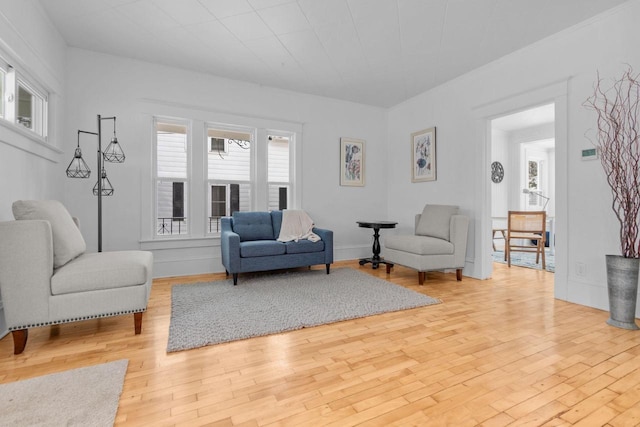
(114, 153)
(78, 168)
(107, 188)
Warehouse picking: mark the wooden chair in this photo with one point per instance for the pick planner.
(528, 226)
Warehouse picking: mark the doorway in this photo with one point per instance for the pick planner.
(523, 176)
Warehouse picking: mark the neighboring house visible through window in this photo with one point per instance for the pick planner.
(172, 178)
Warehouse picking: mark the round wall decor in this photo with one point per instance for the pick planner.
(497, 172)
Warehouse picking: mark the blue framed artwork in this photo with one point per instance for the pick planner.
(423, 155)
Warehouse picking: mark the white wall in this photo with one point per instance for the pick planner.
(132, 90)
(30, 168)
(562, 67)
(499, 191)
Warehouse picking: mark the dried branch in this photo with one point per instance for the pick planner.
(618, 141)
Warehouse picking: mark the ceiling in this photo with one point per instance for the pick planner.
(376, 52)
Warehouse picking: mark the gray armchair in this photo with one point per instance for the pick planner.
(47, 279)
(439, 242)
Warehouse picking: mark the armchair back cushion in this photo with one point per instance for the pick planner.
(435, 221)
(253, 225)
(68, 242)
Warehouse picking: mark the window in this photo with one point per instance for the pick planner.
(217, 145)
(278, 172)
(172, 178)
(205, 170)
(534, 183)
(21, 101)
(228, 174)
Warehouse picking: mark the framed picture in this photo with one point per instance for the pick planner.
(351, 162)
(423, 155)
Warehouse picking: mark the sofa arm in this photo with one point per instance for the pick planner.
(459, 227)
(26, 267)
(327, 238)
(230, 246)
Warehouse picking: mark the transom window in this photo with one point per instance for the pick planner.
(22, 101)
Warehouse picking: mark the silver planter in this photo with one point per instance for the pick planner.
(622, 286)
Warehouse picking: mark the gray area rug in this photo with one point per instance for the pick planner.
(79, 397)
(527, 259)
(269, 303)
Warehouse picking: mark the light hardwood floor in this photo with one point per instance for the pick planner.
(494, 353)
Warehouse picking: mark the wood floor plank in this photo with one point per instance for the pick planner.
(496, 352)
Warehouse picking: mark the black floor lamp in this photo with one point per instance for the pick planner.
(78, 168)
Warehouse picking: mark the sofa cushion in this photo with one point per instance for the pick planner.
(304, 246)
(253, 226)
(102, 270)
(68, 242)
(258, 248)
(419, 245)
(435, 221)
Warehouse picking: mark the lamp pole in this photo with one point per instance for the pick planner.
(79, 169)
(100, 166)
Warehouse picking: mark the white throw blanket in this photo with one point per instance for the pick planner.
(296, 225)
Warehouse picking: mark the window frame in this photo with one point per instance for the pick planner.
(187, 181)
(211, 230)
(197, 193)
(12, 80)
(290, 136)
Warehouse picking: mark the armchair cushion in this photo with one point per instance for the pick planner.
(419, 245)
(435, 221)
(253, 225)
(68, 242)
(103, 270)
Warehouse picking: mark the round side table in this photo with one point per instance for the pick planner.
(375, 260)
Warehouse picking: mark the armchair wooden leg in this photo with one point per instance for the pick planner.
(235, 279)
(19, 340)
(137, 321)
(389, 268)
(328, 267)
(421, 276)
(459, 274)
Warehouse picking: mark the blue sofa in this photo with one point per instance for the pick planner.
(249, 243)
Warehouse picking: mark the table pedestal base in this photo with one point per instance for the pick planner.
(375, 263)
(376, 260)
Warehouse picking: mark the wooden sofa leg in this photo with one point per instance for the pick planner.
(137, 321)
(328, 267)
(459, 274)
(389, 268)
(235, 279)
(19, 340)
(421, 276)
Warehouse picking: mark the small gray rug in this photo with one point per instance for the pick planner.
(527, 259)
(269, 303)
(79, 397)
